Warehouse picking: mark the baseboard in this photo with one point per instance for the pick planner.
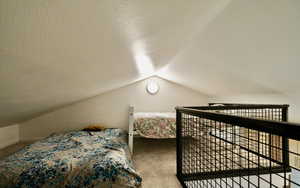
(8, 143)
(9, 135)
(31, 139)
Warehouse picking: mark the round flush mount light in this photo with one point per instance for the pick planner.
(152, 87)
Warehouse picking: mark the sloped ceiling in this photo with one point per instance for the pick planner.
(56, 52)
(252, 47)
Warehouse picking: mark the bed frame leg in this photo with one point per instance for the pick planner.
(130, 129)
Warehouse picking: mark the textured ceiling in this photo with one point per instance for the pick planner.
(56, 52)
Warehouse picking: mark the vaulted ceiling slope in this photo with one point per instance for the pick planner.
(56, 52)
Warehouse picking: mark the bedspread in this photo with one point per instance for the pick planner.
(73, 159)
(155, 125)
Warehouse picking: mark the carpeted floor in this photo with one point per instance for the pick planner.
(155, 160)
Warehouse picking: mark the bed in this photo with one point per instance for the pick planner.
(155, 125)
(72, 159)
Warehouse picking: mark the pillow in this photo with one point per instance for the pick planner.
(94, 128)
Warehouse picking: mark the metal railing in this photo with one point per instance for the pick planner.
(237, 145)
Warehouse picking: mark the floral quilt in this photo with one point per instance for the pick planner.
(71, 160)
(155, 125)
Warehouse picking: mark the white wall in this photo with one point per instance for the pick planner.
(291, 99)
(9, 135)
(111, 108)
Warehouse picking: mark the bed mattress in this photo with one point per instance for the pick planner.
(155, 125)
(73, 159)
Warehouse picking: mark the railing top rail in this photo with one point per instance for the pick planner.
(240, 106)
(248, 104)
(289, 130)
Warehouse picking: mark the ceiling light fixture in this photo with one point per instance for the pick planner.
(152, 87)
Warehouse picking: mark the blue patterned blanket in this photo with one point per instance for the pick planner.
(71, 160)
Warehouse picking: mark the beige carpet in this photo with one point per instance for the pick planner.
(155, 160)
